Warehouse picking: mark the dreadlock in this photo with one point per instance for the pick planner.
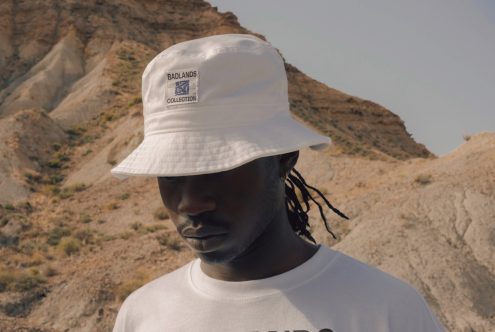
(298, 210)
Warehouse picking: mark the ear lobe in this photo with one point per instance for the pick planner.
(287, 162)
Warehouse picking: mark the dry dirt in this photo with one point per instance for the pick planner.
(74, 241)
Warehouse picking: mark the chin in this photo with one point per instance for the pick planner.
(219, 257)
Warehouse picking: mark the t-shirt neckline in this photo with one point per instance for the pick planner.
(254, 289)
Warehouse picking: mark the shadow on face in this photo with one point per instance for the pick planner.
(220, 215)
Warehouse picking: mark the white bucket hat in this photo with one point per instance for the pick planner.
(213, 104)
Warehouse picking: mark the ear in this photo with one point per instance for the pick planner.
(287, 161)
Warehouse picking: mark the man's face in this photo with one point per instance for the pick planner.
(221, 214)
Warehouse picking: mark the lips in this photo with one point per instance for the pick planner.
(202, 232)
(204, 238)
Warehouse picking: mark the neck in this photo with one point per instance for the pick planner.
(277, 250)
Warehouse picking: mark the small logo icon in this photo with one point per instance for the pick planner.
(182, 88)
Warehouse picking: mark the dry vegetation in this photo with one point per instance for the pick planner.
(75, 242)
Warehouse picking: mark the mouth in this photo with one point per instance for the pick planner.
(202, 232)
(203, 237)
(205, 242)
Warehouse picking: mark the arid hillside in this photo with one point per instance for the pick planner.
(81, 62)
(75, 242)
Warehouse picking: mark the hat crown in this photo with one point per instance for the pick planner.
(213, 104)
(214, 73)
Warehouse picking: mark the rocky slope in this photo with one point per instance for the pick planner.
(74, 241)
(431, 222)
(81, 63)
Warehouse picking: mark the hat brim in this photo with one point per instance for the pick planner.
(215, 150)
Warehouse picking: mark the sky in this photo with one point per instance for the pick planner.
(430, 62)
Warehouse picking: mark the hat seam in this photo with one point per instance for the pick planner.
(234, 124)
(161, 110)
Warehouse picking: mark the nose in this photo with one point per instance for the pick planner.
(196, 197)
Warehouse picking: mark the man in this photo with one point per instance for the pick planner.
(220, 139)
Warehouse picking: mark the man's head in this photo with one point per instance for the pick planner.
(220, 215)
(219, 135)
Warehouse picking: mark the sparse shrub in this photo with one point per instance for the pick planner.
(87, 139)
(9, 240)
(101, 221)
(23, 306)
(88, 151)
(162, 239)
(155, 227)
(175, 244)
(56, 146)
(53, 189)
(28, 281)
(20, 280)
(26, 206)
(54, 163)
(64, 193)
(70, 246)
(113, 206)
(78, 187)
(466, 137)
(9, 207)
(107, 117)
(86, 236)
(36, 259)
(56, 234)
(124, 196)
(57, 160)
(423, 179)
(33, 177)
(137, 226)
(127, 287)
(50, 271)
(85, 218)
(107, 237)
(56, 178)
(70, 190)
(75, 132)
(160, 213)
(6, 279)
(172, 242)
(135, 101)
(125, 235)
(62, 156)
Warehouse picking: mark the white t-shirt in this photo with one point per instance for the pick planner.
(329, 292)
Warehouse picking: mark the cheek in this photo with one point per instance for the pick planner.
(167, 195)
(247, 190)
(169, 202)
(241, 197)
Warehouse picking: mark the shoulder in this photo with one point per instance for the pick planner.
(360, 274)
(157, 296)
(169, 283)
(370, 287)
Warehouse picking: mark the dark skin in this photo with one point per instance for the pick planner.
(236, 221)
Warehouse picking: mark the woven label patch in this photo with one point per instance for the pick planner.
(182, 87)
